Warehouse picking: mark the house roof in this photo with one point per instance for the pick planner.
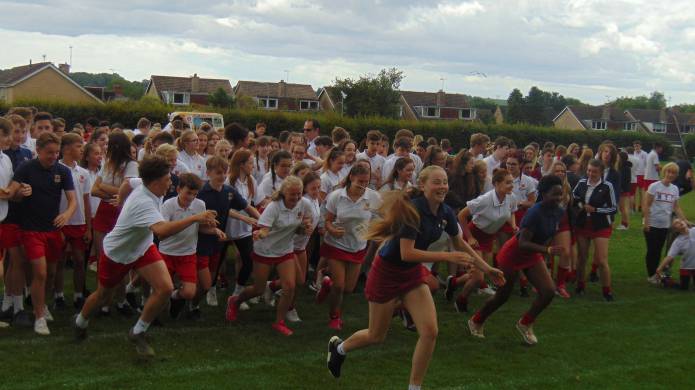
(454, 100)
(184, 84)
(332, 93)
(647, 115)
(275, 90)
(606, 113)
(13, 75)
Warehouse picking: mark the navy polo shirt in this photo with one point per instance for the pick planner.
(47, 186)
(429, 231)
(18, 157)
(543, 221)
(220, 201)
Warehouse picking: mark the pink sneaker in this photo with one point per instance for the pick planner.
(281, 328)
(232, 308)
(335, 323)
(325, 289)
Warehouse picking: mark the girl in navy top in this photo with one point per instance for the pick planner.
(407, 230)
(524, 252)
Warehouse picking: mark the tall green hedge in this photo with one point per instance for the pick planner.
(690, 145)
(459, 132)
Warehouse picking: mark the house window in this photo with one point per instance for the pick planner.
(308, 105)
(267, 103)
(630, 126)
(690, 129)
(179, 98)
(598, 125)
(659, 127)
(430, 112)
(466, 113)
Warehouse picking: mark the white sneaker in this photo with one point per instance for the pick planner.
(93, 266)
(654, 279)
(268, 294)
(211, 297)
(47, 314)
(487, 291)
(621, 227)
(255, 300)
(244, 306)
(476, 330)
(41, 327)
(4, 325)
(527, 334)
(292, 316)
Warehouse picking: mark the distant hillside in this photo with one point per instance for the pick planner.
(131, 89)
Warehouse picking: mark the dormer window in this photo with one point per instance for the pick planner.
(659, 127)
(599, 125)
(630, 126)
(430, 112)
(466, 113)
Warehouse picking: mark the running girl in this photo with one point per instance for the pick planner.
(330, 178)
(280, 165)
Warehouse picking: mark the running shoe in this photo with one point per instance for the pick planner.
(608, 297)
(593, 277)
(487, 291)
(654, 279)
(175, 307)
(450, 289)
(408, 321)
(562, 292)
(324, 290)
(41, 327)
(211, 297)
(4, 324)
(621, 227)
(461, 306)
(125, 310)
(78, 303)
(527, 334)
(477, 330)
(292, 316)
(335, 360)
(59, 303)
(232, 309)
(579, 291)
(7, 314)
(335, 323)
(132, 299)
(194, 314)
(281, 328)
(141, 345)
(47, 314)
(80, 334)
(244, 306)
(523, 292)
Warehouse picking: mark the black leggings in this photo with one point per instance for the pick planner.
(245, 247)
(655, 237)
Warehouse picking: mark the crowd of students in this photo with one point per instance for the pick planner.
(155, 211)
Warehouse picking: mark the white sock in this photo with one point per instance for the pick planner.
(27, 291)
(18, 303)
(58, 295)
(6, 302)
(238, 289)
(129, 288)
(121, 304)
(414, 387)
(81, 322)
(175, 294)
(78, 295)
(341, 350)
(140, 327)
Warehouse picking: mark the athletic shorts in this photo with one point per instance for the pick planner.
(43, 244)
(588, 231)
(183, 266)
(485, 240)
(105, 218)
(111, 273)
(640, 182)
(11, 236)
(203, 262)
(74, 235)
(271, 260)
(331, 252)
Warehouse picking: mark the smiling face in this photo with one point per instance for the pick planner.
(553, 197)
(291, 196)
(313, 189)
(594, 173)
(283, 168)
(559, 171)
(337, 164)
(360, 182)
(48, 155)
(186, 196)
(406, 173)
(505, 186)
(436, 186)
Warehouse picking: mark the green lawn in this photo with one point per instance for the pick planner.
(642, 340)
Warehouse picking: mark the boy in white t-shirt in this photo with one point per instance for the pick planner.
(129, 246)
(651, 169)
(376, 160)
(683, 245)
(179, 250)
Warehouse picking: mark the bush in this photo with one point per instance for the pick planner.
(690, 145)
(458, 132)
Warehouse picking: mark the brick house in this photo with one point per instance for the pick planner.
(185, 90)
(279, 96)
(436, 106)
(666, 122)
(42, 81)
(598, 118)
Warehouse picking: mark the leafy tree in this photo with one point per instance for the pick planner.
(371, 95)
(131, 89)
(220, 98)
(516, 107)
(655, 101)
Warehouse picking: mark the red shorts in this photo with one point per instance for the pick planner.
(272, 260)
(386, 281)
(298, 252)
(11, 236)
(183, 266)
(640, 182)
(203, 262)
(43, 244)
(587, 231)
(510, 257)
(507, 228)
(74, 235)
(485, 240)
(105, 218)
(111, 273)
(647, 183)
(687, 272)
(331, 252)
(633, 189)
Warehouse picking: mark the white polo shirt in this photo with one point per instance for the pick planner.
(492, 164)
(180, 168)
(195, 164)
(235, 228)
(183, 243)
(523, 187)
(650, 171)
(394, 186)
(354, 217)
(128, 171)
(93, 200)
(661, 210)
(260, 168)
(642, 161)
(633, 169)
(131, 237)
(330, 181)
(377, 163)
(684, 245)
(301, 240)
(391, 162)
(266, 188)
(83, 185)
(30, 143)
(489, 214)
(345, 171)
(282, 223)
(6, 174)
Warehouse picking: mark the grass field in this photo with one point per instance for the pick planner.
(642, 340)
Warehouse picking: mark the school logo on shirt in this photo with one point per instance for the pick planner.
(82, 178)
(366, 206)
(230, 196)
(664, 197)
(442, 224)
(56, 179)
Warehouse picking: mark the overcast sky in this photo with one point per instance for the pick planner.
(590, 49)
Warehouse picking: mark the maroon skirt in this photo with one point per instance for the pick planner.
(511, 257)
(386, 281)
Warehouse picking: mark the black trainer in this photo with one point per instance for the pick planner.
(132, 299)
(175, 307)
(59, 303)
(408, 321)
(194, 315)
(523, 292)
(23, 319)
(450, 289)
(125, 310)
(579, 291)
(334, 359)
(27, 301)
(608, 297)
(80, 334)
(461, 307)
(7, 314)
(593, 277)
(78, 303)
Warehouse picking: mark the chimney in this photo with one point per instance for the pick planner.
(195, 83)
(282, 89)
(606, 113)
(65, 68)
(117, 90)
(440, 98)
